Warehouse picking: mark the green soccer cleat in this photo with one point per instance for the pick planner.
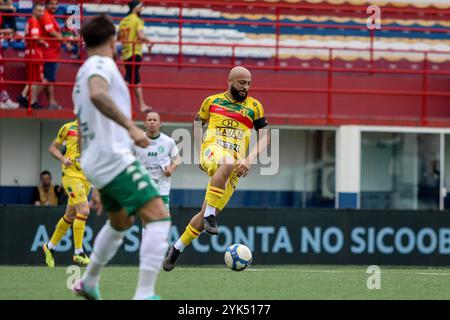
(154, 297)
(49, 259)
(88, 293)
(81, 259)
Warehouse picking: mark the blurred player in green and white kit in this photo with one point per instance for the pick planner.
(161, 158)
(103, 107)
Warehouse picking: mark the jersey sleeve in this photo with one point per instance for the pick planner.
(62, 134)
(204, 109)
(259, 120)
(47, 23)
(102, 68)
(139, 25)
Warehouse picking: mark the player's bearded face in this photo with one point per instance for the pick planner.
(238, 95)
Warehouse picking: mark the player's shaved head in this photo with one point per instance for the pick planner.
(239, 72)
(239, 81)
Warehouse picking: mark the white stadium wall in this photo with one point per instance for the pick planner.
(24, 154)
(20, 149)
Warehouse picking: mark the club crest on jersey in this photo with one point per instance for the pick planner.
(244, 112)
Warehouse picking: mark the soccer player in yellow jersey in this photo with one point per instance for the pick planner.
(224, 152)
(131, 34)
(77, 188)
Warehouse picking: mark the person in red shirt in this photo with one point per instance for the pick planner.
(35, 69)
(51, 29)
(5, 101)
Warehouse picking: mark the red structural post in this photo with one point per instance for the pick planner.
(277, 38)
(133, 74)
(180, 35)
(80, 44)
(372, 38)
(29, 109)
(423, 116)
(330, 84)
(233, 55)
(30, 75)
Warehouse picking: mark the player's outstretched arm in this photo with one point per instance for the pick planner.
(243, 166)
(98, 93)
(263, 143)
(199, 122)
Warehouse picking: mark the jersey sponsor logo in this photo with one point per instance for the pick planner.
(161, 149)
(230, 133)
(230, 123)
(233, 114)
(228, 145)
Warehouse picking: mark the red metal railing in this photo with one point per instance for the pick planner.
(277, 24)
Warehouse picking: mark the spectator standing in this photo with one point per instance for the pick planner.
(131, 34)
(46, 194)
(9, 22)
(35, 46)
(5, 101)
(51, 29)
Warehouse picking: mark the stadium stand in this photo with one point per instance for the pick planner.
(323, 39)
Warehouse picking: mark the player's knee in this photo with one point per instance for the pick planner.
(154, 210)
(69, 217)
(84, 212)
(122, 224)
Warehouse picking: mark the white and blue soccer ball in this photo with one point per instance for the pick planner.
(238, 257)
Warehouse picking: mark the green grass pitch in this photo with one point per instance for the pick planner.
(257, 282)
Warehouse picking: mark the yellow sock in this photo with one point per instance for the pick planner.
(213, 196)
(60, 230)
(189, 235)
(78, 230)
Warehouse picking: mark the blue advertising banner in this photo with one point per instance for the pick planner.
(275, 236)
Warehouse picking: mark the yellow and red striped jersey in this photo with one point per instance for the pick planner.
(230, 122)
(68, 136)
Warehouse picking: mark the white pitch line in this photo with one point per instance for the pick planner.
(307, 271)
(433, 274)
(356, 272)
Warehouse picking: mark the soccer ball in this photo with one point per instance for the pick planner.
(238, 257)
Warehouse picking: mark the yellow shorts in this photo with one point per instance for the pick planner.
(211, 158)
(77, 189)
